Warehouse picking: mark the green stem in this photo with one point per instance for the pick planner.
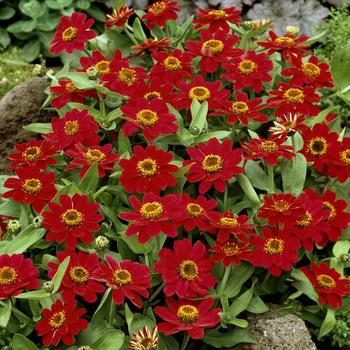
(271, 181)
(185, 341)
(102, 106)
(154, 295)
(112, 310)
(147, 259)
(225, 198)
(224, 281)
(130, 36)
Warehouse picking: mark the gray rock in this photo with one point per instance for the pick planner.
(273, 331)
(19, 107)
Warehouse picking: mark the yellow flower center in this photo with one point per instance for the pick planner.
(72, 217)
(188, 270)
(94, 155)
(79, 274)
(239, 107)
(305, 220)
(294, 95)
(201, 93)
(157, 8)
(228, 222)
(70, 87)
(127, 76)
(147, 118)
(172, 63)
(325, 281)
(69, 34)
(212, 163)
(122, 277)
(317, 146)
(194, 210)
(71, 127)
(281, 206)
(147, 167)
(215, 46)
(151, 210)
(58, 319)
(31, 154)
(187, 314)
(152, 95)
(274, 246)
(217, 13)
(345, 156)
(230, 249)
(247, 67)
(32, 186)
(331, 208)
(102, 67)
(311, 70)
(284, 41)
(8, 275)
(269, 146)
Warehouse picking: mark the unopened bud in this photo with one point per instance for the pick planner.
(92, 73)
(344, 258)
(101, 242)
(14, 226)
(37, 221)
(85, 347)
(194, 130)
(39, 70)
(292, 30)
(48, 287)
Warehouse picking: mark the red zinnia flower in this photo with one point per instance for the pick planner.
(230, 252)
(86, 156)
(243, 109)
(75, 127)
(119, 17)
(248, 70)
(16, 274)
(197, 211)
(293, 99)
(154, 215)
(269, 149)
(31, 187)
(328, 284)
(309, 73)
(160, 12)
(77, 279)
(275, 250)
(214, 48)
(72, 33)
(128, 279)
(148, 170)
(152, 117)
(187, 315)
(97, 61)
(61, 322)
(213, 164)
(171, 66)
(287, 125)
(217, 18)
(152, 45)
(33, 153)
(320, 144)
(281, 209)
(186, 271)
(72, 219)
(202, 91)
(228, 224)
(288, 45)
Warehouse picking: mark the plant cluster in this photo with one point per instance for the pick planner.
(187, 179)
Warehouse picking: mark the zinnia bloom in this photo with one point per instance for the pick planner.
(187, 315)
(72, 33)
(61, 322)
(128, 279)
(186, 271)
(148, 170)
(287, 125)
(31, 187)
(77, 279)
(160, 12)
(97, 61)
(151, 45)
(33, 153)
(144, 339)
(340, 166)
(328, 284)
(119, 17)
(213, 164)
(72, 219)
(84, 157)
(275, 250)
(248, 70)
(154, 215)
(16, 274)
(75, 127)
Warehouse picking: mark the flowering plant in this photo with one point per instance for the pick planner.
(189, 177)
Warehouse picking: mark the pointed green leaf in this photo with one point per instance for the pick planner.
(90, 180)
(328, 323)
(20, 342)
(5, 312)
(57, 278)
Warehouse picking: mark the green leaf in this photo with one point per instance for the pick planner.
(5, 312)
(5, 38)
(220, 134)
(294, 174)
(167, 342)
(242, 302)
(42, 128)
(257, 306)
(30, 51)
(328, 323)
(239, 322)
(303, 284)
(111, 340)
(340, 69)
(80, 80)
(248, 189)
(22, 27)
(256, 175)
(90, 180)
(36, 294)
(199, 116)
(20, 342)
(138, 30)
(124, 145)
(57, 278)
(315, 38)
(340, 248)
(31, 8)
(99, 314)
(79, 106)
(96, 13)
(10, 208)
(7, 12)
(221, 340)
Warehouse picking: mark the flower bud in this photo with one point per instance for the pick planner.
(344, 258)
(101, 242)
(292, 29)
(48, 287)
(39, 70)
(85, 347)
(92, 73)
(37, 221)
(14, 226)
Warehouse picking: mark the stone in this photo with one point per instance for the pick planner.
(273, 331)
(19, 107)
